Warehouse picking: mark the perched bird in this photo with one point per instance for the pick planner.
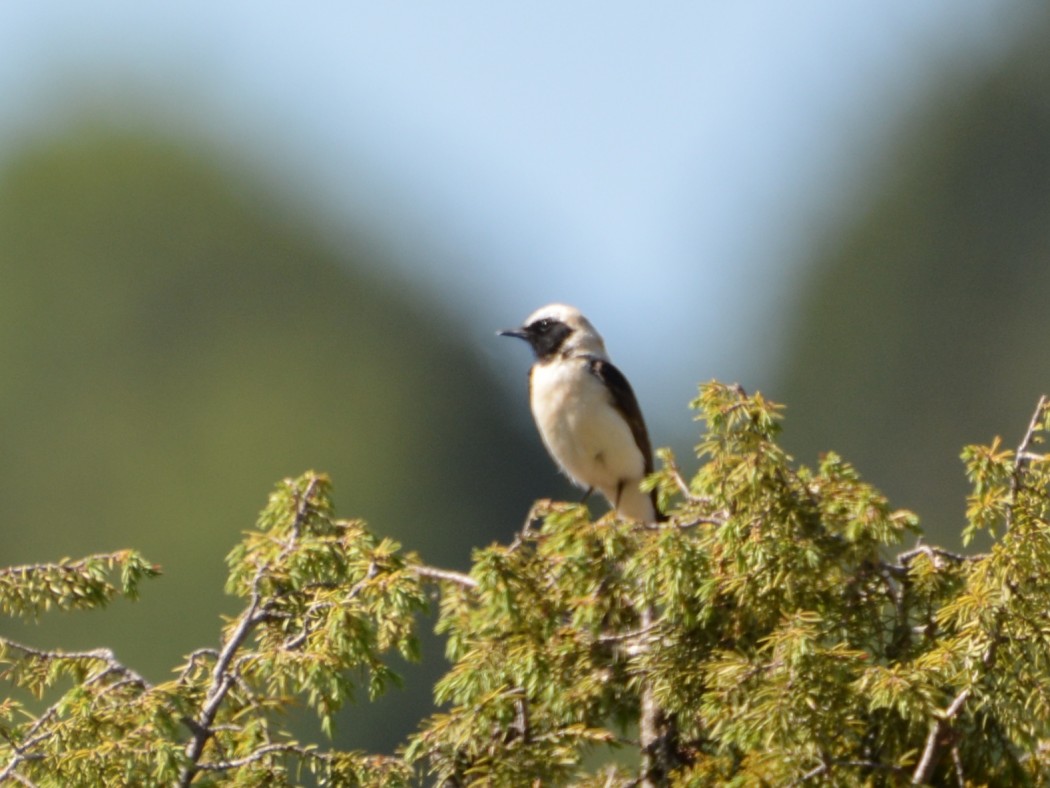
(586, 412)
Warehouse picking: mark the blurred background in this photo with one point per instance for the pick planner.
(242, 240)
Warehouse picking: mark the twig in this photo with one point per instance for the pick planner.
(931, 752)
(679, 480)
(619, 637)
(938, 556)
(20, 778)
(103, 655)
(521, 716)
(826, 766)
(221, 682)
(934, 741)
(310, 626)
(194, 657)
(1022, 457)
(718, 518)
(262, 752)
(222, 678)
(303, 753)
(70, 567)
(816, 771)
(960, 775)
(38, 732)
(526, 529)
(444, 575)
(21, 754)
(935, 554)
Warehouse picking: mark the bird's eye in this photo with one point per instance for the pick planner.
(543, 326)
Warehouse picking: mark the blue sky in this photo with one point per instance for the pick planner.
(667, 167)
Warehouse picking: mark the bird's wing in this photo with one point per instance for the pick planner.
(625, 402)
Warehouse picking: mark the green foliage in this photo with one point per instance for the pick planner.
(90, 582)
(323, 599)
(775, 630)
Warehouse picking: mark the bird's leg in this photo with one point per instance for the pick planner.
(586, 495)
(619, 494)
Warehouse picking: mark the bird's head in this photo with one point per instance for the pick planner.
(559, 329)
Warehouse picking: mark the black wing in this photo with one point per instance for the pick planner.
(623, 400)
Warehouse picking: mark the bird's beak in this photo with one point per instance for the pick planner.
(514, 332)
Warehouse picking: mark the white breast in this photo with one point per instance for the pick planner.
(586, 435)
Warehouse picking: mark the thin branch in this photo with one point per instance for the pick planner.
(21, 756)
(940, 728)
(816, 771)
(931, 751)
(637, 634)
(672, 466)
(72, 567)
(311, 621)
(960, 775)
(443, 575)
(826, 766)
(19, 778)
(222, 678)
(103, 655)
(937, 556)
(220, 685)
(526, 531)
(298, 751)
(1022, 457)
(36, 734)
(257, 755)
(718, 518)
(194, 657)
(521, 716)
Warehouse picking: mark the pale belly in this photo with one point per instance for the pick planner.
(582, 430)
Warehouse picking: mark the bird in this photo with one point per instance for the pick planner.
(586, 412)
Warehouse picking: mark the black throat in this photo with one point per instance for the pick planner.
(547, 338)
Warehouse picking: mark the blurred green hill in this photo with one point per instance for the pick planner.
(172, 342)
(926, 325)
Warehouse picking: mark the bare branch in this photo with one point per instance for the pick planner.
(259, 754)
(960, 775)
(637, 634)
(220, 685)
(40, 731)
(9, 773)
(826, 766)
(937, 556)
(443, 575)
(222, 677)
(199, 655)
(672, 466)
(1022, 457)
(103, 655)
(718, 518)
(526, 532)
(294, 750)
(21, 755)
(940, 728)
